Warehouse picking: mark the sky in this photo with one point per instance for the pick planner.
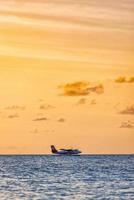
(66, 76)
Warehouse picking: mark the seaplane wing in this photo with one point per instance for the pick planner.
(66, 150)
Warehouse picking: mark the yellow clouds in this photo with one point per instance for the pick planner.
(82, 101)
(46, 107)
(126, 124)
(128, 111)
(123, 79)
(61, 120)
(15, 107)
(120, 79)
(40, 119)
(12, 116)
(131, 80)
(99, 89)
(75, 89)
(80, 88)
(76, 31)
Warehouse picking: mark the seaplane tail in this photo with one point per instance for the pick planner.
(65, 151)
(53, 149)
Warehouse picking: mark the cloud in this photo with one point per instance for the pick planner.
(82, 101)
(45, 107)
(93, 102)
(80, 88)
(13, 116)
(120, 79)
(75, 89)
(40, 119)
(123, 79)
(41, 131)
(14, 107)
(127, 124)
(41, 100)
(131, 80)
(128, 111)
(35, 131)
(99, 89)
(61, 120)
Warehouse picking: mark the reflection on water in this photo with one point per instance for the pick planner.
(67, 177)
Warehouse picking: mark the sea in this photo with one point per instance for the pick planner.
(44, 177)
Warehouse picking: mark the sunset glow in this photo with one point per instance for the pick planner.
(66, 76)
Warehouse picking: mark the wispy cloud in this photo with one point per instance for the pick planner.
(80, 88)
(61, 120)
(12, 116)
(93, 102)
(40, 119)
(46, 107)
(128, 110)
(82, 101)
(75, 89)
(127, 124)
(99, 89)
(15, 107)
(123, 79)
(68, 30)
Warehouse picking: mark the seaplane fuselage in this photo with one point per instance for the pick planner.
(65, 151)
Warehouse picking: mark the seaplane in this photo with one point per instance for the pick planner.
(65, 151)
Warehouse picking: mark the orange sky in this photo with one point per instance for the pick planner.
(44, 44)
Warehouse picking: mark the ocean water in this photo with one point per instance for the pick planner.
(67, 177)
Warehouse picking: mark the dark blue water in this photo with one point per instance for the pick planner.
(66, 177)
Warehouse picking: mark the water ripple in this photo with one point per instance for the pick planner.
(64, 177)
